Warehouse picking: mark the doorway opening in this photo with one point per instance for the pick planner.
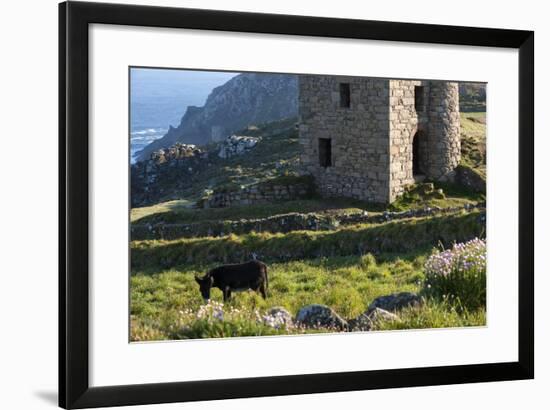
(416, 159)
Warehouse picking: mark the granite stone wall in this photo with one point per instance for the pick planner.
(443, 131)
(358, 136)
(372, 140)
(404, 120)
(262, 193)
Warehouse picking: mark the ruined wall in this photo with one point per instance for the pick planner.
(358, 133)
(404, 121)
(261, 193)
(372, 140)
(443, 130)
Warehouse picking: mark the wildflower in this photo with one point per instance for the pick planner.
(458, 273)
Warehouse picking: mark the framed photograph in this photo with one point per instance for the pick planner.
(256, 204)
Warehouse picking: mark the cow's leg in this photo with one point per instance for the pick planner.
(263, 290)
(226, 293)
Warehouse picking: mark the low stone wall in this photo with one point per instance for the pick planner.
(392, 237)
(280, 223)
(263, 193)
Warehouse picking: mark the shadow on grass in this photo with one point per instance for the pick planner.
(397, 238)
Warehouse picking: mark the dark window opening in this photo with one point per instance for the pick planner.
(345, 95)
(419, 98)
(416, 154)
(325, 152)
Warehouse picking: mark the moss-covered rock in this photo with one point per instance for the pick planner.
(471, 178)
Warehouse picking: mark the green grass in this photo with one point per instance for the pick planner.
(473, 140)
(398, 236)
(433, 315)
(171, 212)
(174, 212)
(163, 208)
(453, 196)
(344, 283)
(160, 302)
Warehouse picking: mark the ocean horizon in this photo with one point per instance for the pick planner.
(159, 98)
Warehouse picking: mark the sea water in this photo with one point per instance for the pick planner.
(159, 98)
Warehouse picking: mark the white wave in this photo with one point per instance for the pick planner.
(146, 137)
(149, 131)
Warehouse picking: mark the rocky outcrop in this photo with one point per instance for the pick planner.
(318, 316)
(237, 145)
(175, 152)
(166, 174)
(471, 179)
(250, 98)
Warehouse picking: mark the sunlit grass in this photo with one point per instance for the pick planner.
(161, 302)
(179, 205)
(346, 284)
(414, 234)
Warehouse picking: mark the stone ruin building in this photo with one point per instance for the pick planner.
(368, 138)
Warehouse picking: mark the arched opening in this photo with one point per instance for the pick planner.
(416, 154)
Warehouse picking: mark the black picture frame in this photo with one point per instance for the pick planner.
(74, 387)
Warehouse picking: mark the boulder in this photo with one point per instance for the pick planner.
(278, 316)
(370, 318)
(396, 301)
(381, 315)
(470, 178)
(361, 323)
(320, 316)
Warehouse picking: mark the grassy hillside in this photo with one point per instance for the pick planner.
(276, 155)
(343, 267)
(397, 236)
(473, 140)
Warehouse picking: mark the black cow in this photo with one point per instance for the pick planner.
(235, 278)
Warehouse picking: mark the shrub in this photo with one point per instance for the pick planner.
(458, 275)
(367, 261)
(345, 300)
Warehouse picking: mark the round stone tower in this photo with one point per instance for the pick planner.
(443, 148)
